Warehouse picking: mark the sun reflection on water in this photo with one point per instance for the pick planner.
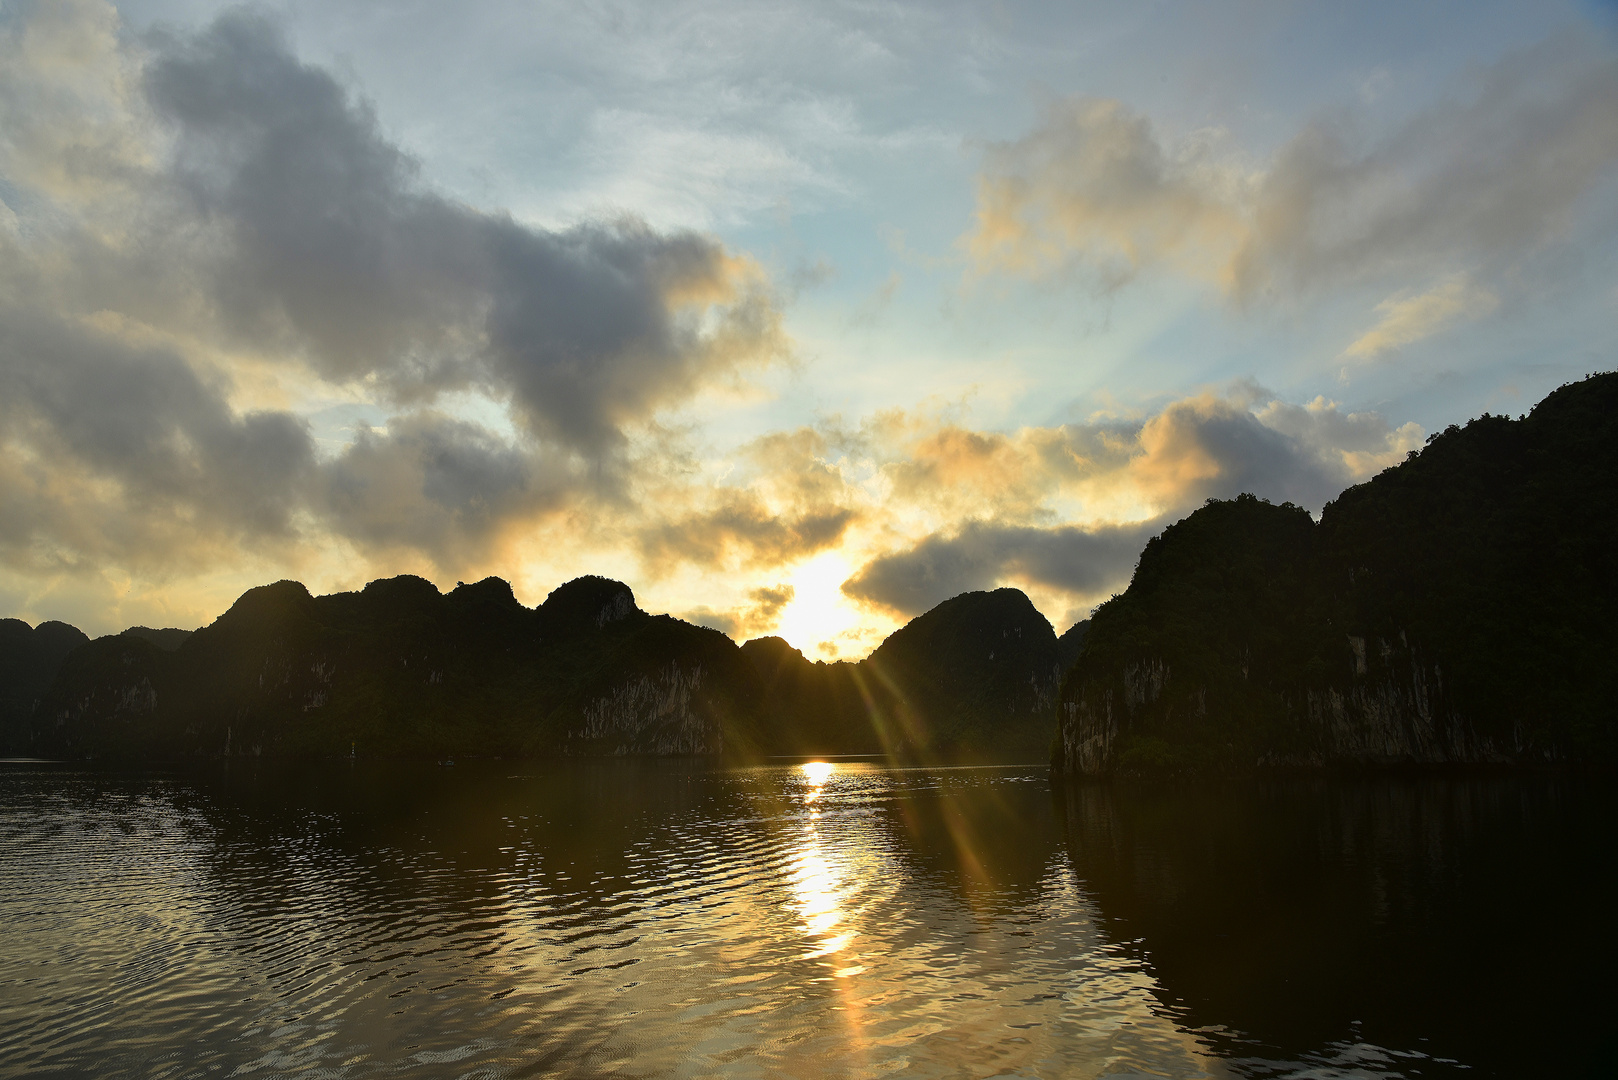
(820, 877)
(818, 773)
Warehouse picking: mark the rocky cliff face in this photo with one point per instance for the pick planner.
(1393, 708)
(658, 714)
(1459, 608)
(1394, 713)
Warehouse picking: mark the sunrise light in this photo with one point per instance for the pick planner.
(821, 621)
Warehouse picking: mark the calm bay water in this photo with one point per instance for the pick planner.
(668, 919)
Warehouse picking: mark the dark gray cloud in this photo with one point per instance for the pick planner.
(983, 554)
(114, 448)
(240, 207)
(123, 453)
(438, 485)
(328, 243)
(1215, 447)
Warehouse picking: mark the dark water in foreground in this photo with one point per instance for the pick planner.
(663, 919)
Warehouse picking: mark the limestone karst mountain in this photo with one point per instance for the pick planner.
(30, 657)
(1461, 607)
(400, 669)
(975, 678)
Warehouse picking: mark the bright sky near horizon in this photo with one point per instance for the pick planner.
(798, 317)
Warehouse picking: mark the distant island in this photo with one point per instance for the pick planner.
(400, 669)
(1459, 608)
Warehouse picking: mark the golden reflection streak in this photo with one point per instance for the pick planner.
(817, 772)
(819, 879)
(820, 882)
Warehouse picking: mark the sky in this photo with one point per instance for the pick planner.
(799, 318)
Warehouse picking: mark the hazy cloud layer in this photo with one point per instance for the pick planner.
(329, 243)
(784, 498)
(438, 485)
(1410, 317)
(112, 452)
(1470, 186)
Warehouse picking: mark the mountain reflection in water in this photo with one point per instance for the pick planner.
(1413, 926)
(668, 919)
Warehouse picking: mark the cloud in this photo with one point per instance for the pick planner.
(759, 616)
(1407, 318)
(739, 529)
(1478, 182)
(983, 555)
(66, 84)
(954, 470)
(120, 452)
(198, 217)
(327, 242)
(783, 500)
(1095, 182)
(1217, 446)
(1214, 443)
(438, 485)
(998, 500)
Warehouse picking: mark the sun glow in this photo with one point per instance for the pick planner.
(821, 621)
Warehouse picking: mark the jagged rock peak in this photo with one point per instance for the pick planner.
(406, 587)
(267, 599)
(167, 639)
(769, 654)
(997, 611)
(491, 590)
(589, 601)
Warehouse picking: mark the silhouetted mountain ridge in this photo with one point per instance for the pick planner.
(400, 669)
(974, 678)
(167, 639)
(30, 657)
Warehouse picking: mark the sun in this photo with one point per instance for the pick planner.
(820, 612)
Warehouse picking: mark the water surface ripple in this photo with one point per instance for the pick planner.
(630, 919)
